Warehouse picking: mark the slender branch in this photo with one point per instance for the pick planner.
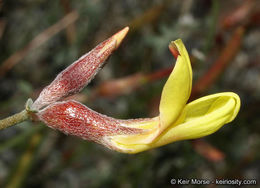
(14, 119)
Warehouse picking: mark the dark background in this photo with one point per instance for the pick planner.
(220, 36)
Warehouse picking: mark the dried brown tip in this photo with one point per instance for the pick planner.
(174, 50)
(119, 36)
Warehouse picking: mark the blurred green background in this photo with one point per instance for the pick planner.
(40, 38)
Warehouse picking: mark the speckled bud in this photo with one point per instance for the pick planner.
(80, 73)
(76, 119)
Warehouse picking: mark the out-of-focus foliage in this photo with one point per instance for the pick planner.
(32, 155)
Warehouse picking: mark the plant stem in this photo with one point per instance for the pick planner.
(14, 119)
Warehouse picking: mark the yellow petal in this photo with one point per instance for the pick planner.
(202, 117)
(175, 95)
(177, 89)
(199, 118)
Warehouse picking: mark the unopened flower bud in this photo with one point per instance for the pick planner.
(74, 118)
(80, 73)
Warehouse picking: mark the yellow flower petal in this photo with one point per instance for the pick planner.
(177, 89)
(199, 118)
(202, 117)
(175, 95)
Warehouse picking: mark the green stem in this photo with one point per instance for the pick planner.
(14, 119)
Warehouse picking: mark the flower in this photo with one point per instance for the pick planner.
(176, 121)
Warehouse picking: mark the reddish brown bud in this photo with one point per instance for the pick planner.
(80, 73)
(76, 119)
